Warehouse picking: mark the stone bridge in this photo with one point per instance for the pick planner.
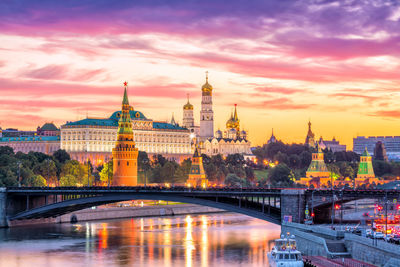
(273, 205)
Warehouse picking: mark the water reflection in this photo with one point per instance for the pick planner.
(192, 240)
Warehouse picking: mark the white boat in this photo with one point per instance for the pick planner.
(285, 253)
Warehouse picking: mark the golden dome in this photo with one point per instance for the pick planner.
(207, 88)
(188, 106)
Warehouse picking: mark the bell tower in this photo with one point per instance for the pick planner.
(206, 113)
(125, 153)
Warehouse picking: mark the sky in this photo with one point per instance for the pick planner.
(336, 63)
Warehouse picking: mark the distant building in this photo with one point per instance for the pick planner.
(380, 151)
(26, 144)
(11, 132)
(331, 144)
(272, 139)
(310, 138)
(391, 143)
(48, 129)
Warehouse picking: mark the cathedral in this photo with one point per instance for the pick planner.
(231, 141)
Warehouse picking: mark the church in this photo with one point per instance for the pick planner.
(231, 141)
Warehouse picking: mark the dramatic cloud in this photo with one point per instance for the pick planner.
(317, 58)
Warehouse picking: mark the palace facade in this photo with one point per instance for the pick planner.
(94, 138)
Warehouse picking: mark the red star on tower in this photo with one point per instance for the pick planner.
(125, 84)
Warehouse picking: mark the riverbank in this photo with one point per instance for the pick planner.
(107, 213)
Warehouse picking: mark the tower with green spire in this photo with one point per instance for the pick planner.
(125, 153)
(317, 168)
(365, 169)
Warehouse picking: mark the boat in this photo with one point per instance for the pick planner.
(285, 253)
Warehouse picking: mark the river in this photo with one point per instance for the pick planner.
(223, 239)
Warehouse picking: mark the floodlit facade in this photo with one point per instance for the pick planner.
(94, 138)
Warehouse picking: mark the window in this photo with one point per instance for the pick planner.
(127, 163)
(118, 163)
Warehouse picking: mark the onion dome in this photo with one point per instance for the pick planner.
(207, 88)
(188, 106)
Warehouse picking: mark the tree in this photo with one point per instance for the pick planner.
(294, 161)
(159, 159)
(47, 168)
(75, 169)
(305, 159)
(68, 180)
(168, 172)
(61, 156)
(182, 172)
(7, 177)
(234, 180)
(281, 175)
(36, 180)
(381, 167)
(6, 150)
(281, 157)
(106, 174)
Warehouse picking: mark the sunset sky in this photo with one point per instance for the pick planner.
(283, 62)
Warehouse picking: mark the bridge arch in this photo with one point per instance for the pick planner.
(67, 206)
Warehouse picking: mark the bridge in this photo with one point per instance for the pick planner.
(273, 205)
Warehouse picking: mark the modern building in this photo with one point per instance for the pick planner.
(197, 175)
(206, 113)
(94, 138)
(125, 153)
(331, 144)
(310, 138)
(231, 141)
(391, 144)
(26, 144)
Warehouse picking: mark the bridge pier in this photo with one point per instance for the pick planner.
(293, 205)
(3, 201)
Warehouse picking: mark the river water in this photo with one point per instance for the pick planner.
(224, 239)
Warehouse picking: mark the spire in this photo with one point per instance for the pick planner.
(173, 119)
(206, 76)
(235, 116)
(125, 100)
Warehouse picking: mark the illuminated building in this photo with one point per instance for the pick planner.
(44, 144)
(197, 175)
(317, 173)
(94, 138)
(391, 143)
(332, 145)
(206, 113)
(45, 141)
(365, 169)
(125, 153)
(310, 141)
(232, 141)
